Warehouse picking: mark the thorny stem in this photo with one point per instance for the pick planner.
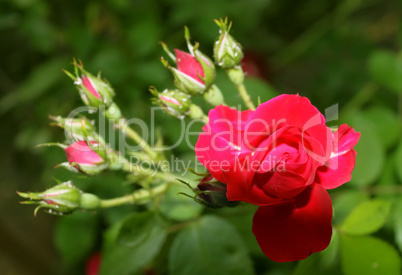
(245, 96)
(138, 197)
(136, 137)
(141, 196)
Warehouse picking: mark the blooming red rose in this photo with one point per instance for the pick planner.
(281, 157)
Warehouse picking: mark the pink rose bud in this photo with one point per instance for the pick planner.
(90, 86)
(195, 72)
(189, 65)
(81, 156)
(94, 91)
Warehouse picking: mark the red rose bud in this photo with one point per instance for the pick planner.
(227, 52)
(77, 128)
(62, 199)
(92, 264)
(82, 157)
(176, 103)
(212, 193)
(195, 72)
(93, 90)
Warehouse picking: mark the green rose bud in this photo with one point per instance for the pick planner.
(175, 102)
(77, 128)
(227, 52)
(62, 199)
(212, 193)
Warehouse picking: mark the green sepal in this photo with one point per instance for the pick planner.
(186, 83)
(214, 96)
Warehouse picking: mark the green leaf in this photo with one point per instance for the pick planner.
(398, 222)
(398, 161)
(179, 207)
(75, 236)
(136, 228)
(370, 152)
(323, 263)
(367, 217)
(243, 221)
(386, 69)
(209, 246)
(122, 259)
(345, 202)
(368, 256)
(385, 123)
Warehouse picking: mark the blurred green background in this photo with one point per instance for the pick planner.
(345, 52)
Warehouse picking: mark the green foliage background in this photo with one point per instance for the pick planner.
(346, 52)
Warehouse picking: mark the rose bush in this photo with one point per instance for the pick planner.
(281, 157)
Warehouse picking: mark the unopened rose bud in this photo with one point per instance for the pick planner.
(195, 72)
(176, 103)
(212, 193)
(227, 52)
(93, 90)
(62, 199)
(84, 158)
(77, 128)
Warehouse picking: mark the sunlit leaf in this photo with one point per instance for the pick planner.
(367, 217)
(398, 222)
(368, 256)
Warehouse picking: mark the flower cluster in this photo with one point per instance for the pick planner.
(281, 157)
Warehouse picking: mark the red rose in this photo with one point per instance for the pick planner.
(281, 157)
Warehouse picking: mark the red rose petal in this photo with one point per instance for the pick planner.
(220, 140)
(346, 138)
(293, 231)
(337, 171)
(189, 65)
(292, 110)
